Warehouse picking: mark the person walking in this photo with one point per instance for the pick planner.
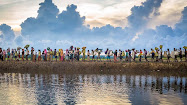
(1, 54)
(55, 55)
(67, 55)
(88, 56)
(185, 53)
(4, 55)
(51, 55)
(180, 54)
(61, 55)
(152, 55)
(16, 55)
(168, 55)
(120, 55)
(175, 54)
(84, 53)
(115, 55)
(107, 54)
(45, 55)
(98, 54)
(93, 55)
(126, 55)
(145, 55)
(23, 54)
(130, 56)
(133, 55)
(32, 50)
(27, 54)
(39, 55)
(140, 55)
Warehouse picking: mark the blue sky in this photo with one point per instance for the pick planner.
(108, 23)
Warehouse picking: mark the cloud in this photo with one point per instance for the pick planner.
(19, 40)
(182, 25)
(6, 32)
(140, 14)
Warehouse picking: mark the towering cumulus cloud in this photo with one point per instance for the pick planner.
(6, 32)
(43, 24)
(70, 19)
(140, 14)
(182, 25)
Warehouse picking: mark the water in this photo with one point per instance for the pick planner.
(61, 89)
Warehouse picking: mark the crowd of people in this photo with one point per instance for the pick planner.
(75, 54)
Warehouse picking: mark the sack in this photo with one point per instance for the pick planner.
(105, 52)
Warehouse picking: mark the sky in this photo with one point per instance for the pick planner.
(94, 23)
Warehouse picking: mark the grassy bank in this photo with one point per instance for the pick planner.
(165, 69)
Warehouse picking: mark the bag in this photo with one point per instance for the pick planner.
(105, 52)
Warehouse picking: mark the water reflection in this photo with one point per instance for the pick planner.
(91, 89)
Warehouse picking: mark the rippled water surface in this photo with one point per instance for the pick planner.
(62, 89)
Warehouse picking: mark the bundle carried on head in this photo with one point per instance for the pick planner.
(161, 46)
(185, 47)
(156, 48)
(48, 48)
(71, 47)
(27, 46)
(83, 48)
(18, 48)
(100, 50)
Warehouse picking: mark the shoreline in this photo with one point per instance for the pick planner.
(133, 68)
